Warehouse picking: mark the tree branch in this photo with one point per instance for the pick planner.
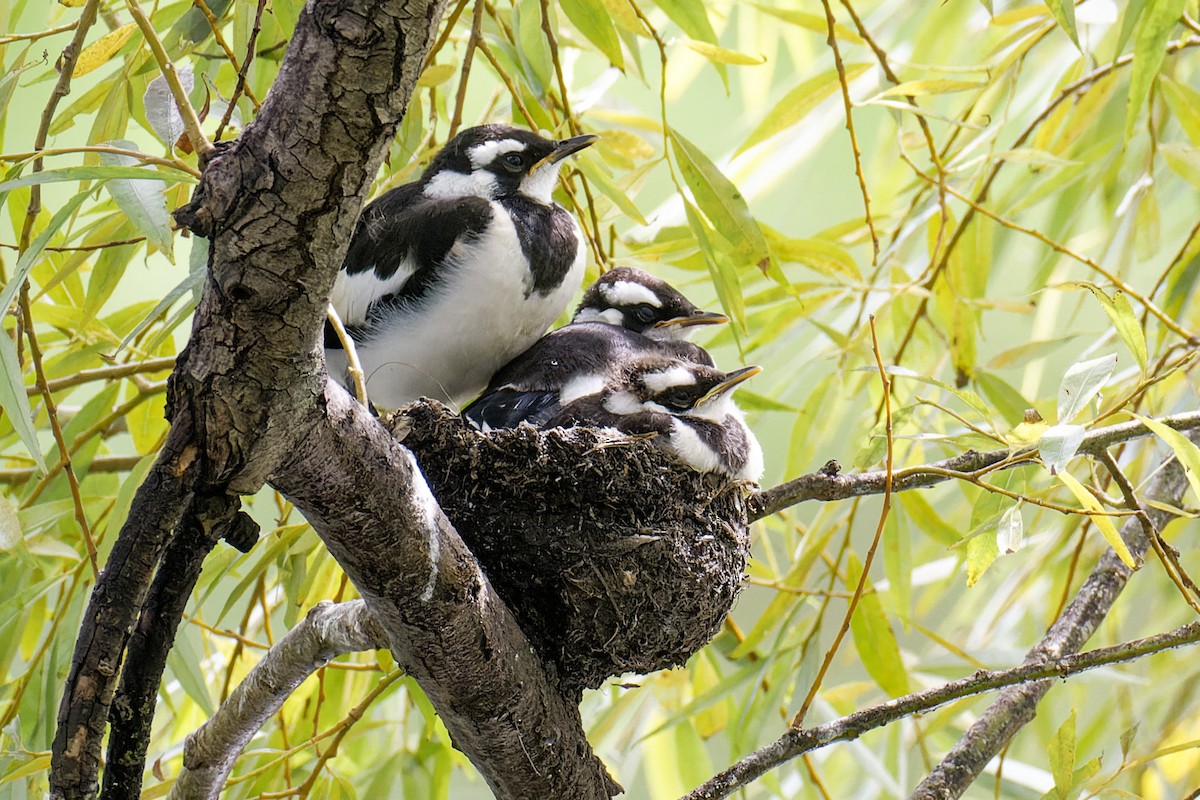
(327, 632)
(820, 486)
(797, 743)
(1015, 707)
(367, 500)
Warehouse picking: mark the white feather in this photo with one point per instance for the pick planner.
(540, 185)
(580, 386)
(610, 316)
(628, 293)
(353, 295)
(668, 378)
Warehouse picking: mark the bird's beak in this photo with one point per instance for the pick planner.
(694, 319)
(565, 148)
(731, 380)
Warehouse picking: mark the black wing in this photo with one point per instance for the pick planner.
(402, 229)
(508, 408)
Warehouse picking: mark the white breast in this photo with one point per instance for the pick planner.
(473, 323)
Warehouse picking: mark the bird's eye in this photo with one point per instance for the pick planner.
(644, 313)
(513, 162)
(675, 401)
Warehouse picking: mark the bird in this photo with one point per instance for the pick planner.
(626, 315)
(451, 276)
(687, 407)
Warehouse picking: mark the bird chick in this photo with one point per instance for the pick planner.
(626, 316)
(687, 406)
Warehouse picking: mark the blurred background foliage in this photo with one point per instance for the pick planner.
(1033, 187)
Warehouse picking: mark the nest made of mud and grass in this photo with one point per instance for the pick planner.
(612, 557)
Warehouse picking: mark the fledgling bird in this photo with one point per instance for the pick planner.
(624, 317)
(448, 278)
(687, 406)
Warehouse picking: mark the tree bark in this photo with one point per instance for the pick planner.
(249, 401)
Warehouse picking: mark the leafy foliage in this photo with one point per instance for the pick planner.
(1013, 156)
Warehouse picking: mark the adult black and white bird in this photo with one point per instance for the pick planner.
(448, 278)
(689, 409)
(626, 316)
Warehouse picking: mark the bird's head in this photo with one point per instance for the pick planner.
(495, 161)
(636, 300)
(680, 388)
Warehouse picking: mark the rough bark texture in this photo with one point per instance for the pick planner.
(364, 496)
(249, 401)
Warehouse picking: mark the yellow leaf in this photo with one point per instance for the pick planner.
(723, 55)
(1103, 522)
(71, 3)
(436, 74)
(930, 86)
(99, 52)
(1185, 449)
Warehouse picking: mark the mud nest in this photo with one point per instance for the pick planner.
(612, 558)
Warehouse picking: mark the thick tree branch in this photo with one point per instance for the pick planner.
(824, 487)
(1056, 656)
(796, 743)
(1015, 707)
(327, 632)
(365, 497)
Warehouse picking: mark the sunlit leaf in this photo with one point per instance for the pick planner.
(95, 173)
(596, 25)
(724, 274)
(929, 86)
(1184, 448)
(435, 75)
(143, 202)
(1062, 758)
(1149, 50)
(1064, 15)
(1082, 382)
(1184, 160)
(1102, 522)
(798, 103)
(1058, 445)
(813, 22)
(723, 55)
(820, 255)
(722, 203)
(15, 402)
(99, 52)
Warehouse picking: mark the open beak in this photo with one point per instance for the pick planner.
(731, 380)
(565, 148)
(693, 320)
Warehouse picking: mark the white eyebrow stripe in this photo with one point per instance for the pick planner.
(628, 293)
(483, 154)
(665, 379)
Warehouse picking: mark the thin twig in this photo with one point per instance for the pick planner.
(240, 86)
(889, 476)
(819, 486)
(831, 40)
(31, 37)
(35, 355)
(144, 158)
(460, 98)
(354, 366)
(215, 25)
(85, 248)
(1166, 554)
(107, 373)
(191, 124)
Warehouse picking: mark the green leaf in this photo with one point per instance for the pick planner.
(1064, 14)
(191, 283)
(143, 202)
(981, 546)
(873, 636)
(1081, 383)
(1185, 450)
(722, 203)
(15, 402)
(99, 173)
(692, 17)
(1102, 521)
(532, 50)
(799, 103)
(819, 255)
(1149, 50)
(185, 660)
(1133, 12)
(1184, 102)
(1062, 757)
(1184, 160)
(723, 55)
(594, 22)
(596, 174)
(724, 275)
